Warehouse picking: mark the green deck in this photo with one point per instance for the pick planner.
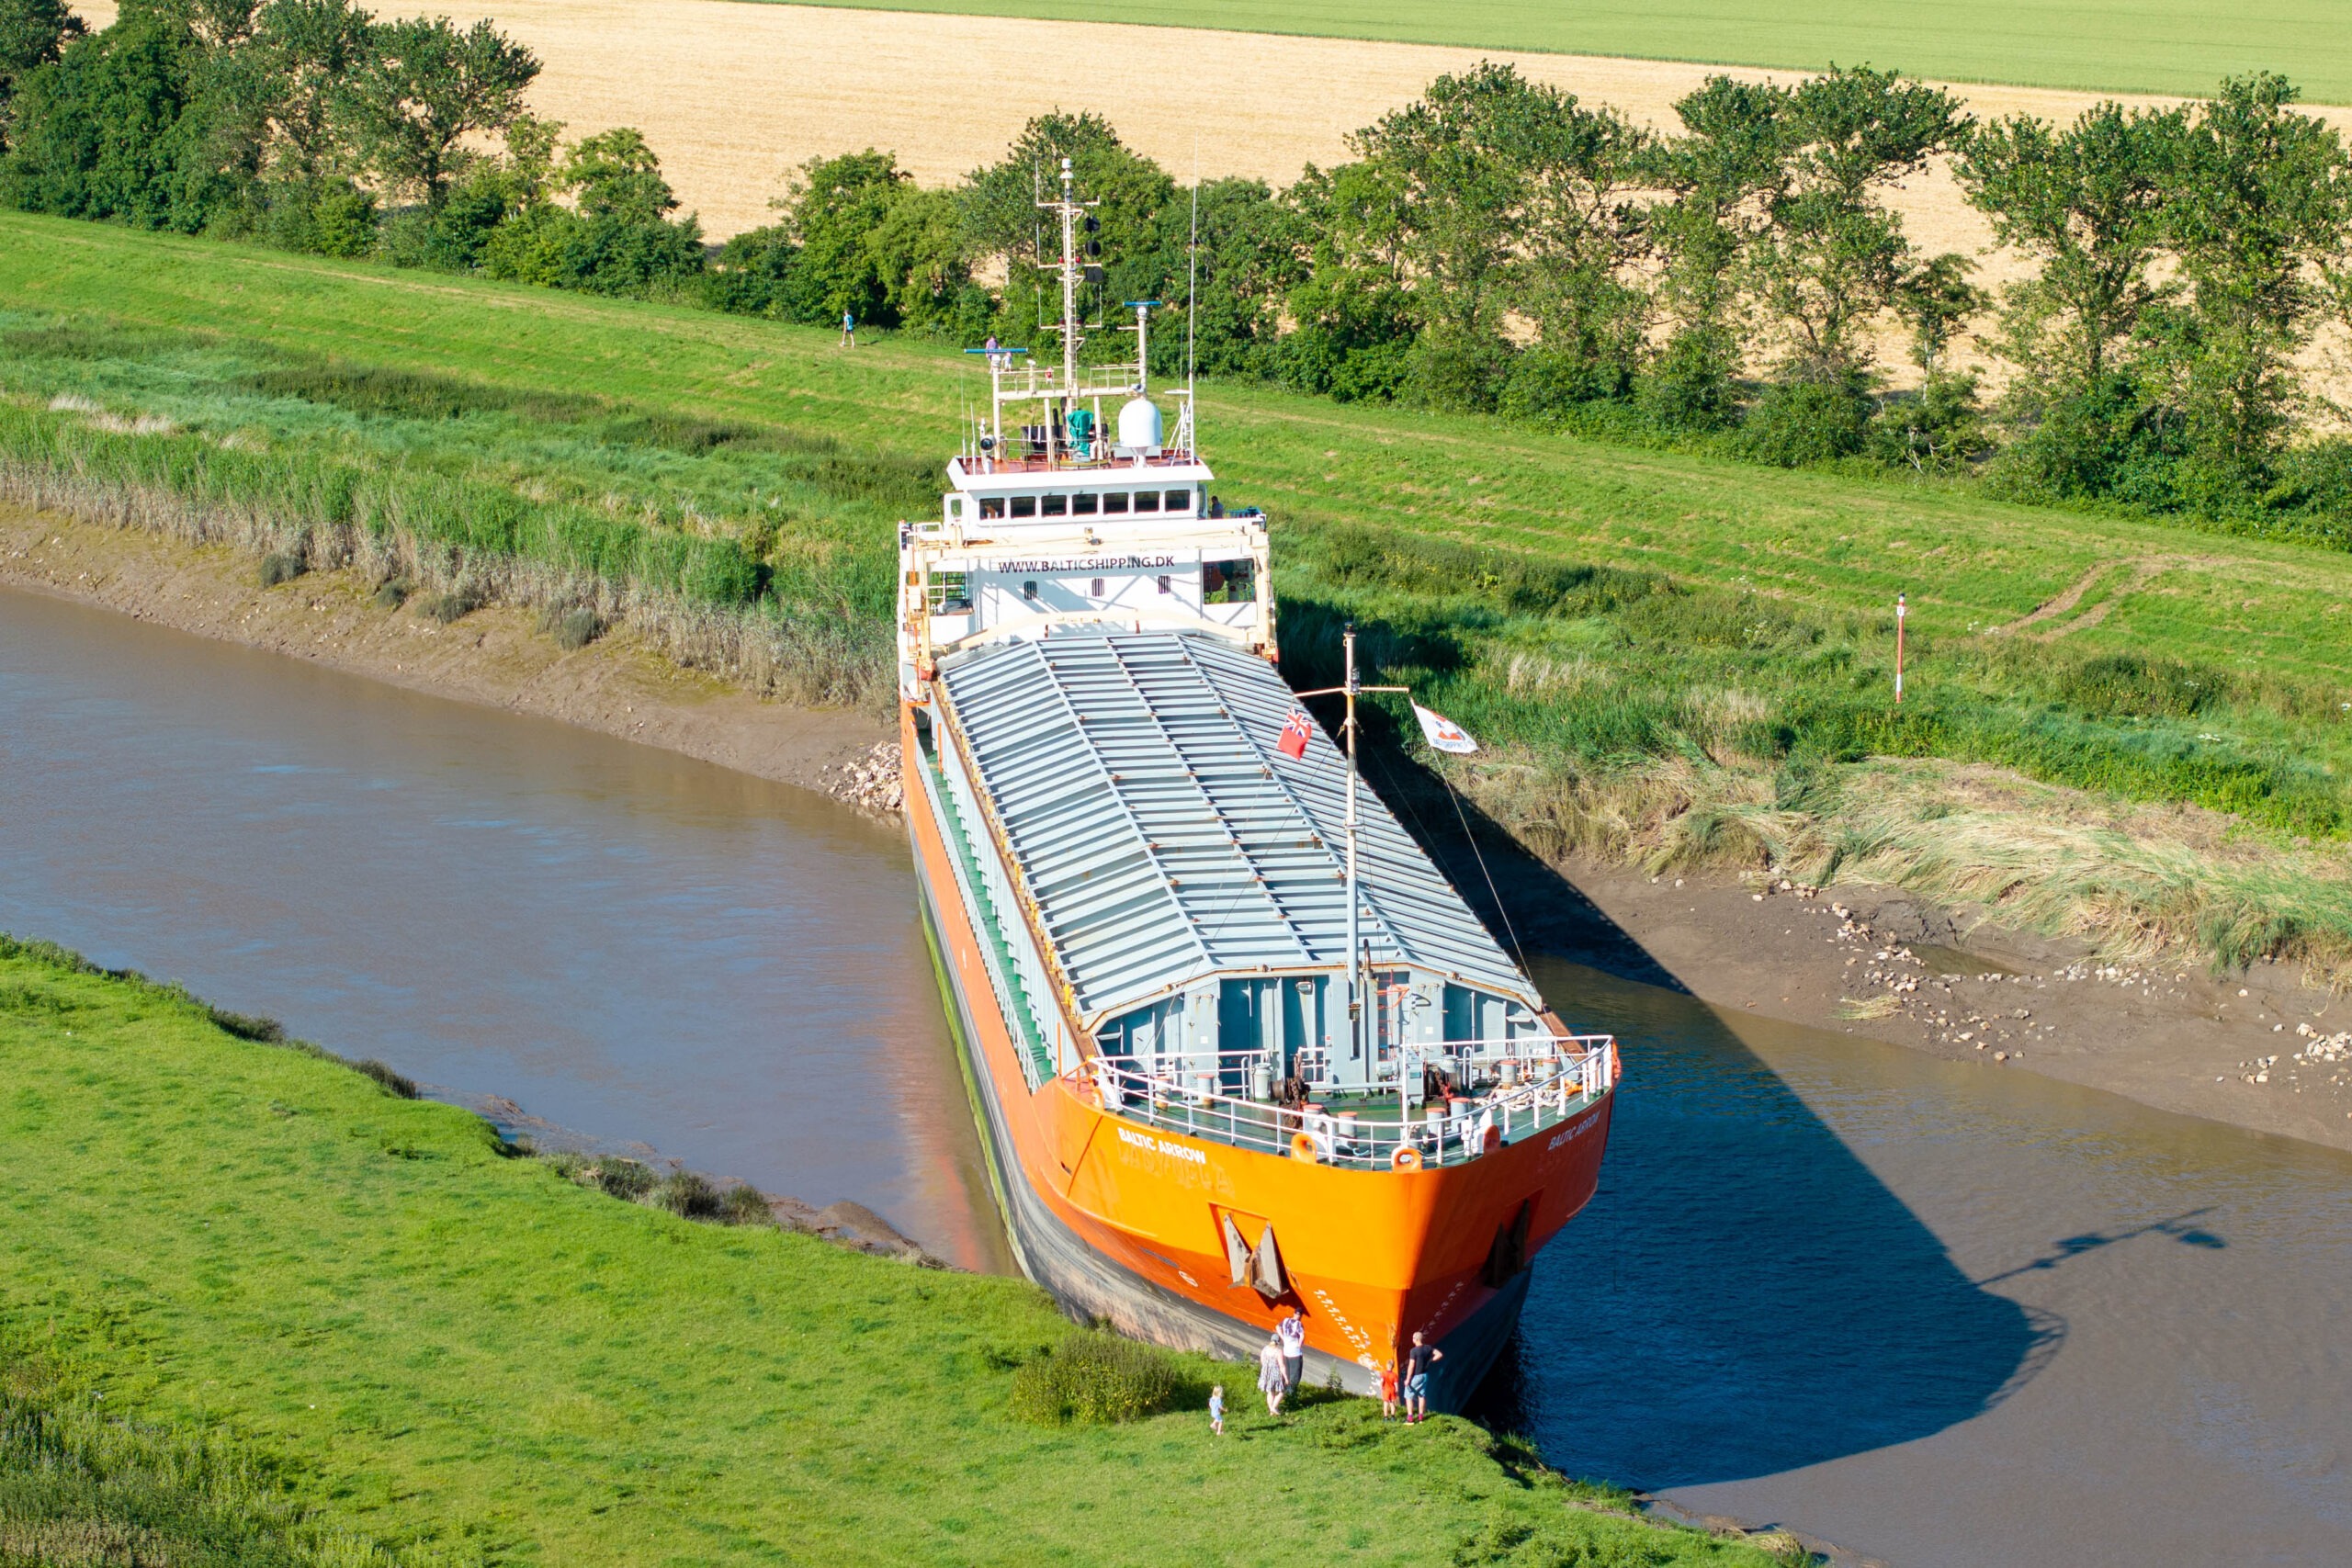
(990, 923)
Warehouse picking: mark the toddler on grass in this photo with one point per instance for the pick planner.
(1217, 1410)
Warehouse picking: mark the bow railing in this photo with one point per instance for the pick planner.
(1491, 1093)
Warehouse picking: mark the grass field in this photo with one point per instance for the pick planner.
(383, 1329)
(1671, 655)
(1829, 541)
(2143, 46)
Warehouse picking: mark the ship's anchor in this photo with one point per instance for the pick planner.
(1259, 1268)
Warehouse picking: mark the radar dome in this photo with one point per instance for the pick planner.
(1140, 427)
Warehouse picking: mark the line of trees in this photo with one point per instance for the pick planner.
(1496, 248)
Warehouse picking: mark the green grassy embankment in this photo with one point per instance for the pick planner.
(254, 1309)
(2118, 46)
(1672, 657)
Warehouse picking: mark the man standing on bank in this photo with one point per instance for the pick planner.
(1417, 1361)
(1292, 1332)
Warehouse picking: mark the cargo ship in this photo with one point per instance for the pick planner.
(1236, 1046)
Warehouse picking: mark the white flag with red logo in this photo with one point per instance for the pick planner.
(1293, 740)
(1443, 733)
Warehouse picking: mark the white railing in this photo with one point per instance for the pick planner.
(1505, 1090)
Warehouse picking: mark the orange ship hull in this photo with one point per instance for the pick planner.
(1125, 1222)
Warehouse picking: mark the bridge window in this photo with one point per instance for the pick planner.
(1228, 581)
(1116, 501)
(1083, 503)
(1025, 506)
(950, 595)
(1147, 501)
(1179, 500)
(1057, 505)
(992, 506)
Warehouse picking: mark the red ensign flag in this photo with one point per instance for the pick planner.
(1293, 740)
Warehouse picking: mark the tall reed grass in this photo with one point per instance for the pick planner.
(80, 1485)
(1093, 1378)
(696, 599)
(1600, 664)
(2147, 804)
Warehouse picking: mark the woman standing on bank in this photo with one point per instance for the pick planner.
(1270, 1381)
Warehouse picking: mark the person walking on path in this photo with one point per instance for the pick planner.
(1217, 1410)
(1270, 1374)
(1417, 1361)
(849, 330)
(1388, 1391)
(1292, 1332)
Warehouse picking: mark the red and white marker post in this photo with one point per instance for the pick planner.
(1901, 609)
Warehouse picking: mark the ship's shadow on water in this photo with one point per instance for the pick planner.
(1741, 1297)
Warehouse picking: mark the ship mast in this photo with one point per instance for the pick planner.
(1069, 209)
(1356, 1022)
(1359, 990)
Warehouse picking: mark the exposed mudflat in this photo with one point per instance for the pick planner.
(2247, 1050)
(2169, 1035)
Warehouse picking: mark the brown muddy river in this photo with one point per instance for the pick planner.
(1931, 1312)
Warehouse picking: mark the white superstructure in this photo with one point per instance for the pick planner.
(1081, 512)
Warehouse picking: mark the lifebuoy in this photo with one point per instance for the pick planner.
(1407, 1157)
(1302, 1146)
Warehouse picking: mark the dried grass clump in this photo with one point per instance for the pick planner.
(450, 605)
(399, 1085)
(686, 1195)
(741, 1205)
(1092, 1379)
(573, 628)
(249, 1026)
(281, 565)
(625, 1179)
